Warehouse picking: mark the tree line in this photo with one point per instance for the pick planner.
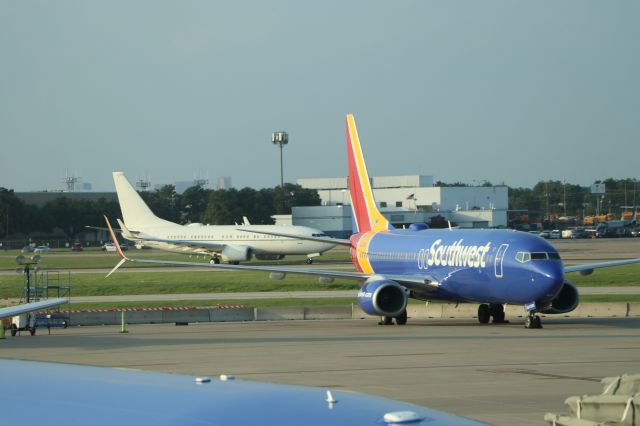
(65, 217)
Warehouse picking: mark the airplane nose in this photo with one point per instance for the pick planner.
(548, 278)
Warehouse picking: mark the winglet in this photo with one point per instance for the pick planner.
(123, 258)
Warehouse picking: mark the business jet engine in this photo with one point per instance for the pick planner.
(379, 296)
(236, 254)
(566, 300)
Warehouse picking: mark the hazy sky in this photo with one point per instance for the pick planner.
(506, 91)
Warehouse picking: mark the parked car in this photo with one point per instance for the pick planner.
(545, 234)
(41, 249)
(112, 247)
(555, 234)
(76, 247)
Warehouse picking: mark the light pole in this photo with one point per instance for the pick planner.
(280, 138)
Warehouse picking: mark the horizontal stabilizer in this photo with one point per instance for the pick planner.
(31, 307)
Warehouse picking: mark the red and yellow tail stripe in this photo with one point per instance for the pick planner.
(366, 214)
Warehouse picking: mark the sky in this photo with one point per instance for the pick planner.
(508, 91)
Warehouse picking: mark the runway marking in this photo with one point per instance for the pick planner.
(387, 355)
(457, 366)
(536, 373)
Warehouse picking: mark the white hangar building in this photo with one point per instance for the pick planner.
(405, 200)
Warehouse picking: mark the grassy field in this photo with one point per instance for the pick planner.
(97, 259)
(172, 282)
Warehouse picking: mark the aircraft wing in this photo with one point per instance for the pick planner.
(329, 240)
(588, 268)
(422, 283)
(30, 307)
(205, 245)
(100, 228)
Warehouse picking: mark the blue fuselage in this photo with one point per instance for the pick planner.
(495, 266)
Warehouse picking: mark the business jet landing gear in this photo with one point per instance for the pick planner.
(309, 261)
(400, 319)
(214, 260)
(487, 311)
(532, 321)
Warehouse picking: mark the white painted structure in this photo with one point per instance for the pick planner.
(468, 206)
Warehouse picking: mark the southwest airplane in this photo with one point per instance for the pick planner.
(226, 242)
(490, 267)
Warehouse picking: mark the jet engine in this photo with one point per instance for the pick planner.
(566, 300)
(382, 297)
(236, 253)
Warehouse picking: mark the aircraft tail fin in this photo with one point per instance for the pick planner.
(366, 216)
(135, 212)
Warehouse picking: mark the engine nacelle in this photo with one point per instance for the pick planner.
(566, 300)
(382, 297)
(266, 256)
(236, 254)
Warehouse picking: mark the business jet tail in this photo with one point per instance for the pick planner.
(135, 212)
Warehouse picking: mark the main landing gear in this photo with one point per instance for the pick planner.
(400, 319)
(214, 260)
(492, 310)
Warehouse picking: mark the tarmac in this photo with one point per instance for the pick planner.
(500, 374)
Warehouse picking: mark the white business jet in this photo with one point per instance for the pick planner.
(229, 243)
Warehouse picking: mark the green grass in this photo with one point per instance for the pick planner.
(619, 276)
(58, 259)
(179, 282)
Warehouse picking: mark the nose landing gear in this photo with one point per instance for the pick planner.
(532, 321)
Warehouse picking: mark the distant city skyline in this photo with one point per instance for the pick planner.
(505, 91)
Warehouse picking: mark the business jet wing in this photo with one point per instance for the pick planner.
(588, 268)
(329, 240)
(30, 307)
(204, 245)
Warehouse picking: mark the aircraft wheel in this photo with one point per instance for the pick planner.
(32, 331)
(497, 312)
(214, 261)
(537, 322)
(532, 321)
(14, 330)
(402, 318)
(386, 321)
(309, 261)
(484, 313)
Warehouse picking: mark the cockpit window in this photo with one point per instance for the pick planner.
(318, 235)
(523, 256)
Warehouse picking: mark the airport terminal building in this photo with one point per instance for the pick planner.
(405, 200)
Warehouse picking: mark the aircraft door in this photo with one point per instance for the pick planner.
(499, 258)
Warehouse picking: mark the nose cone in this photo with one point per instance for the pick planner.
(548, 277)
